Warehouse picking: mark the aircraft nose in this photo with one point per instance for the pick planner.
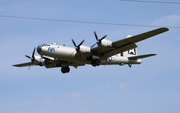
(39, 49)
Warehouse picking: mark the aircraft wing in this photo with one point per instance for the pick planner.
(68, 63)
(125, 44)
(52, 63)
(24, 64)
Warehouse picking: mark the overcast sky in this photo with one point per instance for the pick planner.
(152, 87)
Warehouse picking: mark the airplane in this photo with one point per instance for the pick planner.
(121, 52)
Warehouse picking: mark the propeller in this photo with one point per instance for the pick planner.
(32, 57)
(98, 41)
(77, 47)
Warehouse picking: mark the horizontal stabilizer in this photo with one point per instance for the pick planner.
(141, 56)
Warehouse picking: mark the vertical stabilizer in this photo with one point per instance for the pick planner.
(130, 53)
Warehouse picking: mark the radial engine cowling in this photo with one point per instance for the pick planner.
(39, 61)
(84, 49)
(106, 43)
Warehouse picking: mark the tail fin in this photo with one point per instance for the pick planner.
(130, 53)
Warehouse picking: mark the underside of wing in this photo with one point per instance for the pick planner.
(118, 50)
(51, 63)
(24, 64)
(105, 52)
(125, 44)
(68, 64)
(77, 64)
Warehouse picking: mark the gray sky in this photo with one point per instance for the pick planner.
(151, 87)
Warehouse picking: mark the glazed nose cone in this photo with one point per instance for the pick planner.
(39, 49)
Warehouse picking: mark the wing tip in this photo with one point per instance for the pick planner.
(153, 54)
(164, 29)
(15, 65)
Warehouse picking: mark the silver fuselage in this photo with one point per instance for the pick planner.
(64, 53)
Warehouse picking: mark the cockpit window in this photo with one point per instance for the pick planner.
(45, 45)
(54, 43)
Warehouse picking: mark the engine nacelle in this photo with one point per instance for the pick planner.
(40, 61)
(84, 49)
(106, 43)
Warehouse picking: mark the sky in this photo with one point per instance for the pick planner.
(151, 87)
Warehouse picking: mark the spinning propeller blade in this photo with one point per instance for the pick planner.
(32, 58)
(77, 47)
(98, 41)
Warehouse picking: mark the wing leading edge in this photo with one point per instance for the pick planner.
(24, 64)
(140, 37)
